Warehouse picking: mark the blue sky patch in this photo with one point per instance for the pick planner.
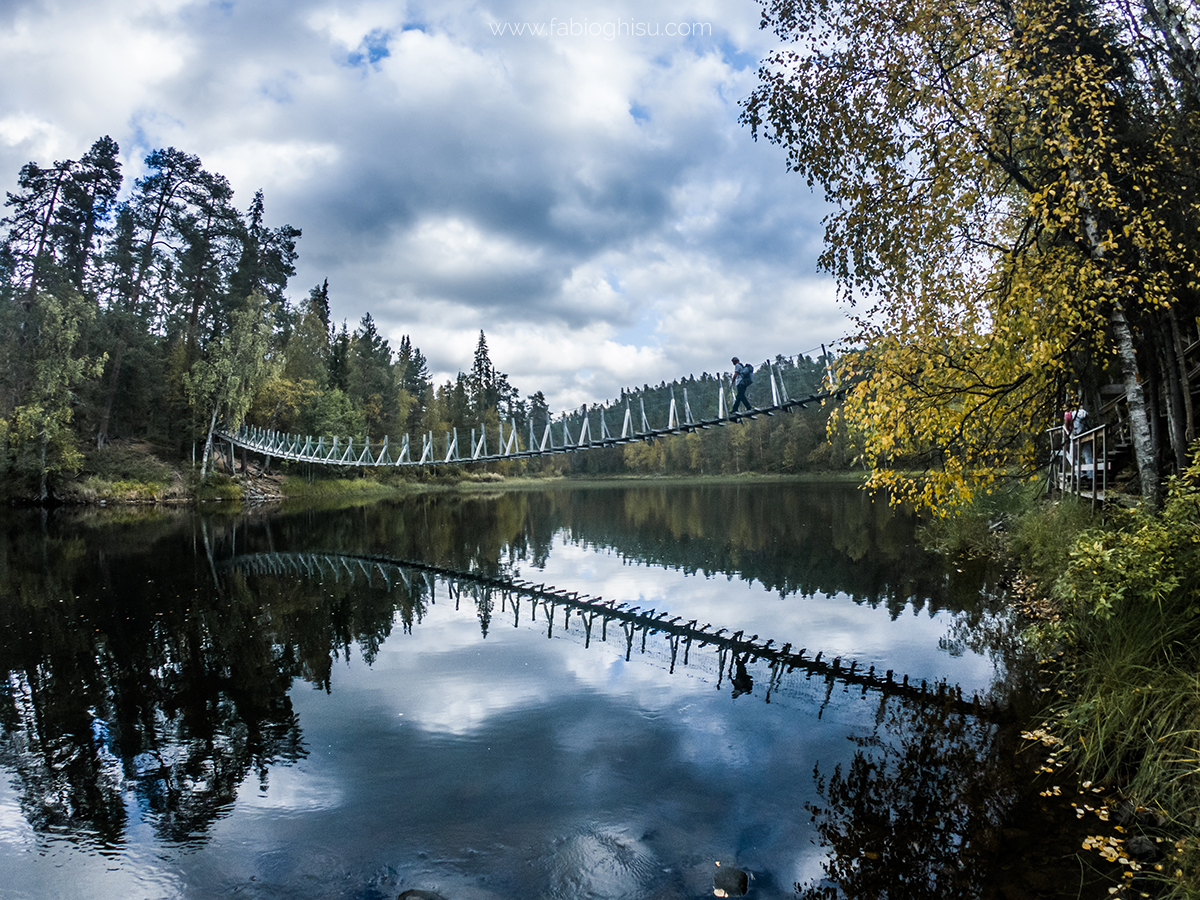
(373, 48)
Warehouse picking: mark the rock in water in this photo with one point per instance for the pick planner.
(418, 894)
(730, 882)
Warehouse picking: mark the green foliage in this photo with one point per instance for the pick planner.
(1044, 536)
(125, 462)
(1013, 191)
(1142, 558)
(333, 413)
(223, 383)
(981, 526)
(303, 489)
(47, 366)
(1133, 717)
(218, 486)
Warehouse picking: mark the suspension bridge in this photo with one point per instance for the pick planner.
(582, 429)
(635, 625)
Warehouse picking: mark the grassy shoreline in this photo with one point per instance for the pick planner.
(179, 487)
(1115, 604)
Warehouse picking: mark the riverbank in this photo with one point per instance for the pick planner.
(1114, 608)
(134, 473)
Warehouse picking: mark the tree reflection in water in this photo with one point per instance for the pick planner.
(141, 681)
(916, 814)
(132, 674)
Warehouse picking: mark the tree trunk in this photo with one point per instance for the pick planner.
(1173, 392)
(114, 375)
(1139, 418)
(44, 492)
(1173, 28)
(212, 426)
(1189, 432)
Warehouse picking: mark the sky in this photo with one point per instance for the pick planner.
(583, 194)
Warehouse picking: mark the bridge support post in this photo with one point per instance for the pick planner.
(584, 430)
(828, 369)
(722, 413)
(783, 388)
(627, 425)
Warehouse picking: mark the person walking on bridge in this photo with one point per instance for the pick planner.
(743, 377)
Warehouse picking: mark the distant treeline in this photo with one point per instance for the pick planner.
(158, 317)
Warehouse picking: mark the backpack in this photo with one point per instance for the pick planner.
(747, 374)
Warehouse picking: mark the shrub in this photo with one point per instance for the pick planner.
(1132, 590)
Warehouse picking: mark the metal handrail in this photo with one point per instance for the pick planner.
(1067, 466)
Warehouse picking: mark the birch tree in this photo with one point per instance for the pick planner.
(1014, 207)
(222, 384)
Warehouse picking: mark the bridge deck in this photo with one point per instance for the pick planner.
(592, 429)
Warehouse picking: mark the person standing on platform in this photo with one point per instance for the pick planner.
(1080, 452)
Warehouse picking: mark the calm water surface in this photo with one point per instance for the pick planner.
(259, 705)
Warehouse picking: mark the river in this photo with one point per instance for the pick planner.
(567, 693)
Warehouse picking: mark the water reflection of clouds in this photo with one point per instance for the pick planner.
(581, 762)
(456, 681)
(539, 737)
(91, 875)
(14, 827)
(290, 789)
(445, 678)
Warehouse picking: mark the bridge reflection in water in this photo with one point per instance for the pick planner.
(734, 651)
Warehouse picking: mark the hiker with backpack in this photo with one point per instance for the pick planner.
(743, 377)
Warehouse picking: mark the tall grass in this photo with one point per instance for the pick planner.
(1131, 713)
(1043, 538)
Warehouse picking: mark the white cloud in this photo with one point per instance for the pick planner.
(591, 204)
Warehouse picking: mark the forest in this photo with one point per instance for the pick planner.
(155, 316)
(1015, 230)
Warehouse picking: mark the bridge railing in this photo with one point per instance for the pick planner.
(783, 384)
